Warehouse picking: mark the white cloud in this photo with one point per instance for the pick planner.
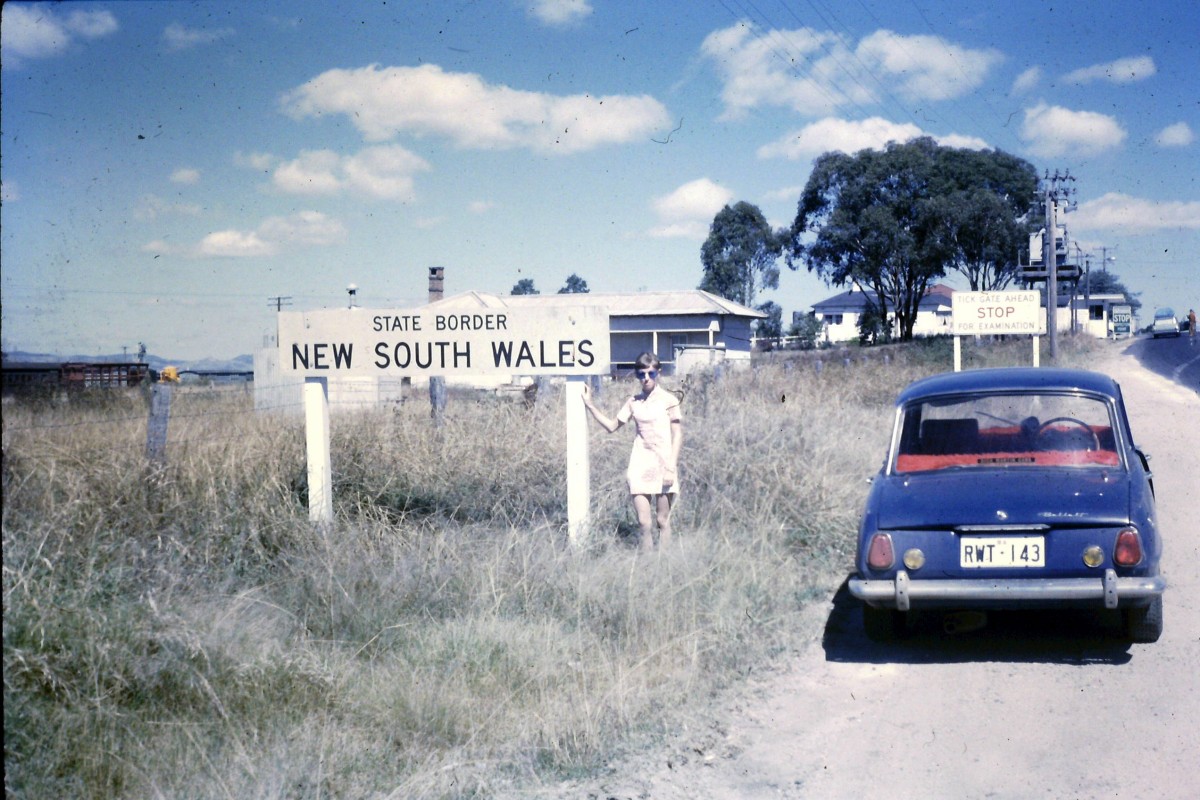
(308, 228)
(427, 101)
(1117, 212)
(927, 67)
(258, 161)
(273, 236)
(151, 207)
(91, 24)
(1027, 80)
(40, 31)
(311, 173)
(1178, 135)
(559, 13)
(1123, 70)
(849, 136)
(787, 68)
(180, 37)
(962, 142)
(384, 172)
(1053, 131)
(688, 211)
(480, 206)
(10, 191)
(817, 72)
(234, 244)
(838, 134)
(185, 175)
(380, 172)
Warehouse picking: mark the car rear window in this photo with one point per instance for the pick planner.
(1009, 430)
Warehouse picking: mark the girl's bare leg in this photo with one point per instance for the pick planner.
(645, 517)
(664, 503)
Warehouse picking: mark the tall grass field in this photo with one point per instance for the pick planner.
(182, 630)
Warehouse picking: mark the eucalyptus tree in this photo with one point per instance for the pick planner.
(871, 222)
(574, 285)
(895, 220)
(986, 200)
(740, 257)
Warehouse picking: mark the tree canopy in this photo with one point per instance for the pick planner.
(741, 254)
(895, 220)
(772, 326)
(574, 285)
(1104, 282)
(524, 286)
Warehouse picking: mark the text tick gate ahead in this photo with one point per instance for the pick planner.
(362, 342)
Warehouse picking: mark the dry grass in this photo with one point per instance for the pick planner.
(187, 633)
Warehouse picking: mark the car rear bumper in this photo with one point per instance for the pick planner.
(1107, 590)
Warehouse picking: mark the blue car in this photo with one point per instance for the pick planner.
(1010, 489)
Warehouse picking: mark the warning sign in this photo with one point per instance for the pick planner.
(991, 313)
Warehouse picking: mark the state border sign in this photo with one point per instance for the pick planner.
(1000, 312)
(362, 342)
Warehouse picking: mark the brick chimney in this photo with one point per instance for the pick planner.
(435, 283)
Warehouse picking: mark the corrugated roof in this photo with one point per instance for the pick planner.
(619, 304)
(938, 296)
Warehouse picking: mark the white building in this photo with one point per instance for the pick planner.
(840, 314)
(1091, 315)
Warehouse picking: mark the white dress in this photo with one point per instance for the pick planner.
(653, 416)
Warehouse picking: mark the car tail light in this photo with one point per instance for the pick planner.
(1128, 551)
(880, 554)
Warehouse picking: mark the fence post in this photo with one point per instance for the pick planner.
(316, 434)
(156, 428)
(437, 400)
(579, 496)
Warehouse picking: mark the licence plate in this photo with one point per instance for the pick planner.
(982, 552)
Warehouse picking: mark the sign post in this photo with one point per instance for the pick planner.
(992, 313)
(579, 487)
(316, 438)
(358, 342)
(1122, 320)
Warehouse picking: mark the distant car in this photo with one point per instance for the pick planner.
(1165, 323)
(1010, 489)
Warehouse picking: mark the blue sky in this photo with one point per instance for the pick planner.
(169, 166)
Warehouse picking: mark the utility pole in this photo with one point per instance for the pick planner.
(1055, 193)
(278, 302)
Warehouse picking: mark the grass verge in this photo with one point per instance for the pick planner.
(186, 632)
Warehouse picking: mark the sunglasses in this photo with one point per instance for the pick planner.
(643, 374)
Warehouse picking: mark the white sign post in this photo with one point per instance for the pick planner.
(993, 313)
(316, 439)
(359, 342)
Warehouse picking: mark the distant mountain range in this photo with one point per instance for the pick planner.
(244, 363)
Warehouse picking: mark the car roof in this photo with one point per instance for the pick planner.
(1164, 313)
(1039, 379)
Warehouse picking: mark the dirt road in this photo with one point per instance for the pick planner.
(1029, 707)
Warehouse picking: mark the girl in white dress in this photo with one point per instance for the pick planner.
(652, 474)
